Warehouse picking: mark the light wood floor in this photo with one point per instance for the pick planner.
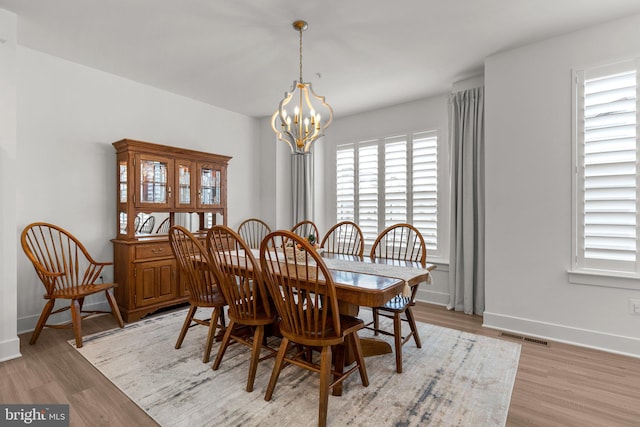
(558, 385)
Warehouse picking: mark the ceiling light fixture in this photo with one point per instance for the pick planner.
(311, 114)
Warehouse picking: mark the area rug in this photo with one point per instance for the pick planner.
(455, 379)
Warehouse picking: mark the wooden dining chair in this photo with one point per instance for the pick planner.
(344, 238)
(399, 242)
(305, 229)
(305, 297)
(252, 231)
(196, 269)
(67, 271)
(147, 225)
(241, 282)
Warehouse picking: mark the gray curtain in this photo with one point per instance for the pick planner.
(466, 258)
(301, 187)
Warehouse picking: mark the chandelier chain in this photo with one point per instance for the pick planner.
(300, 30)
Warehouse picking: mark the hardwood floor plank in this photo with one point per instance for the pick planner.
(558, 385)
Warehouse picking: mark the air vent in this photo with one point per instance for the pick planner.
(536, 341)
(525, 339)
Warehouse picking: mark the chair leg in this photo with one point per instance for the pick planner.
(226, 340)
(397, 338)
(414, 327)
(213, 326)
(339, 356)
(46, 311)
(376, 321)
(255, 356)
(114, 308)
(185, 326)
(76, 321)
(277, 367)
(325, 381)
(357, 350)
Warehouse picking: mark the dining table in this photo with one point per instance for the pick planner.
(371, 282)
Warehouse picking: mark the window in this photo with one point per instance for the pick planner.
(388, 181)
(605, 184)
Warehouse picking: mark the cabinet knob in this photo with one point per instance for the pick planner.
(157, 250)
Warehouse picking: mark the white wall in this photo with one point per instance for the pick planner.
(68, 116)
(9, 342)
(528, 194)
(424, 114)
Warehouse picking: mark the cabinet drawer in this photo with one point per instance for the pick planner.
(156, 250)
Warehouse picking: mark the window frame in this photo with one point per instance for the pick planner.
(599, 272)
(440, 255)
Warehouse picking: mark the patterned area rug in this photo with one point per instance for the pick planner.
(455, 379)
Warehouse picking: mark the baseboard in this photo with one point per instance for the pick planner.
(10, 349)
(432, 297)
(618, 344)
(28, 323)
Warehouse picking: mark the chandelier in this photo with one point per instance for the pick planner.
(311, 115)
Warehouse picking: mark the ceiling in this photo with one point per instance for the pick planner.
(241, 55)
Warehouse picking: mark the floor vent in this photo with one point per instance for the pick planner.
(525, 339)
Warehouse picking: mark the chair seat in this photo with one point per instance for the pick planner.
(261, 317)
(397, 304)
(80, 291)
(348, 325)
(210, 300)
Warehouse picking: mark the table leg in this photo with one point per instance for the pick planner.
(370, 346)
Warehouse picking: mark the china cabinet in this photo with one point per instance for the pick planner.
(159, 182)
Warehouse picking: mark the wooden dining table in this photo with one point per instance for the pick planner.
(369, 282)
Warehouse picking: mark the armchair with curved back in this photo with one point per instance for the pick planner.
(304, 294)
(67, 271)
(399, 242)
(241, 282)
(196, 269)
(252, 231)
(344, 238)
(305, 229)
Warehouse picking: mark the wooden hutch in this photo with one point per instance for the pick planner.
(187, 188)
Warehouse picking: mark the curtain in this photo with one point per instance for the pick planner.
(301, 187)
(466, 258)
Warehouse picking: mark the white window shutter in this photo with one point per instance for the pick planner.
(368, 192)
(389, 181)
(395, 180)
(608, 190)
(425, 187)
(345, 183)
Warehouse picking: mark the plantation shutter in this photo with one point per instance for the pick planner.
(368, 191)
(345, 183)
(395, 180)
(425, 187)
(607, 136)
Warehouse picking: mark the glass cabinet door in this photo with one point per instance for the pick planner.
(153, 181)
(209, 185)
(185, 184)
